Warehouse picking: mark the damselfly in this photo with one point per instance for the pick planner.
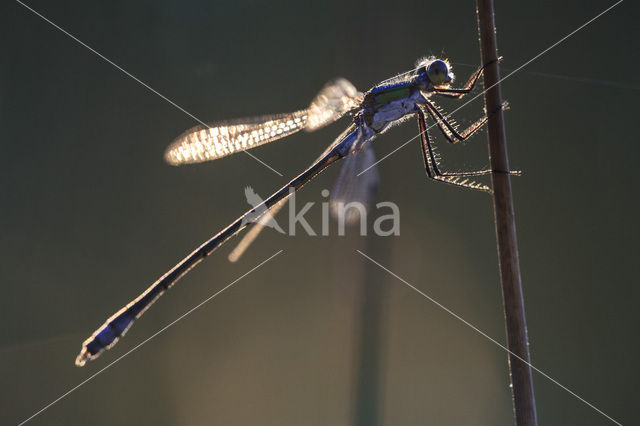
(392, 101)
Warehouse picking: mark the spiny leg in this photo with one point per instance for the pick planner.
(453, 136)
(427, 159)
(468, 87)
(426, 143)
(435, 173)
(449, 132)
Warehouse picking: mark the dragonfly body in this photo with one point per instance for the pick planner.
(372, 113)
(381, 107)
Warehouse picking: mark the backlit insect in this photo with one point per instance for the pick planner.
(402, 97)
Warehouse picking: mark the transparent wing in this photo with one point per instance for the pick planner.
(204, 143)
(335, 99)
(253, 233)
(351, 188)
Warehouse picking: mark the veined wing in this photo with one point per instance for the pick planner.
(351, 188)
(204, 143)
(352, 169)
(221, 139)
(334, 100)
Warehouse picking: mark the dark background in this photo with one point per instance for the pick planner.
(91, 215)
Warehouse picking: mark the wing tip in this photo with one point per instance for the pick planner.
(172, 157)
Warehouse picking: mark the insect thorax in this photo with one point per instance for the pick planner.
(385, 104)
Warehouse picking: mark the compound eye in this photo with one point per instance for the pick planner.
(438, 72)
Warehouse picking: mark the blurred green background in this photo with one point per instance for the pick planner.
(91, 215)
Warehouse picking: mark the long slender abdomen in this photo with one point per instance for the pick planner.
(117, 325)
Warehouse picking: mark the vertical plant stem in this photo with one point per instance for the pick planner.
(524, 405)
(370, 336)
